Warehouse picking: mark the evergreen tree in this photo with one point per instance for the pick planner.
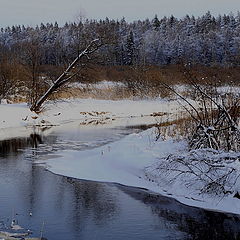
(156, 23)
(130, 49)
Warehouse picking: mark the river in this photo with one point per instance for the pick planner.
(73, 209)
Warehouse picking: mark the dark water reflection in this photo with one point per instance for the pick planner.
(196, 222)
(11, 147)
(74, 209)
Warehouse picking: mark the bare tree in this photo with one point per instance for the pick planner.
(11, 75)
(67, 75)
(31, 54)
(6, 83)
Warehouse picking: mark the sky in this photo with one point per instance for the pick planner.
(33, 12)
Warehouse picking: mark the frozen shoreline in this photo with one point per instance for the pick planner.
(124, 161)
(120, 162)
(15, 119)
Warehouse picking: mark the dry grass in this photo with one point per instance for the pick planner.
(139, 81)
(171, 74)
(113, 93)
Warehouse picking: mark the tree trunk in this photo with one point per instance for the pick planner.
(66, 76)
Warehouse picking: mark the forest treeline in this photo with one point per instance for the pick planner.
(207, 40)
(36, 55)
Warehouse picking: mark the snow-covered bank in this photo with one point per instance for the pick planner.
(16, 118)
(125, 162)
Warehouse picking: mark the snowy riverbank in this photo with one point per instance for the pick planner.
(15, 119)
(124, 161)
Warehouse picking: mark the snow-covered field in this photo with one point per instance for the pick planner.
(126, 161)
(16, 118)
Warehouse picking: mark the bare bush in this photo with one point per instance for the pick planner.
(216, 116)
(6, 81)
(211, 166)
(11, 78)
(217, 119)
(205, 171)
(144, 81)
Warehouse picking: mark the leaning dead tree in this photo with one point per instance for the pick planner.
(67, 75)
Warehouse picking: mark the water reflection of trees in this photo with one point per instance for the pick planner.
(86, 196)
(195, 222)
(91, 199)
(12, 146)
(31, 188)
(68, 206)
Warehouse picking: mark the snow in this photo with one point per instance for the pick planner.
(233, 90)
(16, 118)
(222, 90)
(126, 161)
(119, 162)
(99, 85)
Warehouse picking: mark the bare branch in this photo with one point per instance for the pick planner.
(67, 75)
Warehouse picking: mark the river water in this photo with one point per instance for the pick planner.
(72, 209)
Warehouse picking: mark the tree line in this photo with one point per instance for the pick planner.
(207, 40)
(36, 55)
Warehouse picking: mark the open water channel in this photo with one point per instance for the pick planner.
(73, 209)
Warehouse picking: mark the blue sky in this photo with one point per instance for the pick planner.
(32, 12)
